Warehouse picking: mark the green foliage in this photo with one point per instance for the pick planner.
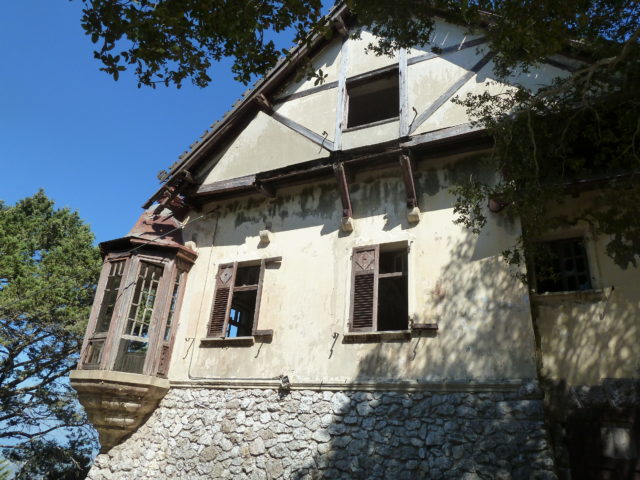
(48, 271)
(578, 136)
(167, 41)
(5, 470)
(48, 460)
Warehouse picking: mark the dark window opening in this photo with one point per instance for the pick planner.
(246, 276)
(393, 309)
(380, 300)
(376, 100)
(236, 300)
(243, 309)
(562, 266)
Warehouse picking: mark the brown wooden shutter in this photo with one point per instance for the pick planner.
(364, 294)
(222, 300)
(258, 296)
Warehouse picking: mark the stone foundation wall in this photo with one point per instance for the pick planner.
(263, 434)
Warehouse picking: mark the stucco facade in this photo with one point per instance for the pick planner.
(287, 185)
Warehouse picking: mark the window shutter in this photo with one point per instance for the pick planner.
(222, 300)
(364, 294)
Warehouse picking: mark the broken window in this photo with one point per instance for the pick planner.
(167, 337)
(236, 301)
(373, 99)
(561, 266)
(379, 299)
(95, 346)
(134, 342)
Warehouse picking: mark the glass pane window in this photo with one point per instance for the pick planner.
(131, 356)
(144, 299)
(110, 297)
(172, 307)
(562, 266)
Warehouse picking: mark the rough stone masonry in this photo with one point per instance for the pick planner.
(199, 433)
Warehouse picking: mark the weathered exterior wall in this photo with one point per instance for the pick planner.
(328, 60)
(453, 278)
(264, 145)
(264, 434)
(586, 337)
(427, 81)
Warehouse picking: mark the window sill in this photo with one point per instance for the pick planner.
(228, 342)
(260, 336)
(578, 296)
(372, 124)
(377, 337)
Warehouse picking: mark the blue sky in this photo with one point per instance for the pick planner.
(94, 145)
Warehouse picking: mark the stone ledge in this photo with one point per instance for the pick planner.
(117, 402)
(376, 337)
(523, 388)
(578, 296)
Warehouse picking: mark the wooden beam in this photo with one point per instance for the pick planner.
(324, 142)
(364, 78)
(406, 165)
(442, 134)
(264, 103)
(404, 92)
(446, 50)
(343, 188)
(341, 27)
(442, 99)
(225, 186)
(304, 93)
(341, 107)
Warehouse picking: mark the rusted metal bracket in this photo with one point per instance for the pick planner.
(408, 169)
(265, 189)
(341, 27)
(345, 197)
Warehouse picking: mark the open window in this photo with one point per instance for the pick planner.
(95, 346)
(236, 301)
(373, 99)
(379, 296)
(562, 266)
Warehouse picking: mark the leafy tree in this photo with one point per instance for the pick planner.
(5, 470)
(584, 129)
(48, 271)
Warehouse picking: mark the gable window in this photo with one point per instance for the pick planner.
(379, 296)
(236, 301)
(373, 99)
(562, 266)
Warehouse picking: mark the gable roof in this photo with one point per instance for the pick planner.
(248, 104)
(256, 98)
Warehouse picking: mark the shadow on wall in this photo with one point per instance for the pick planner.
(485, 333)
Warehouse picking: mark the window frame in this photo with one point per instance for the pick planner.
(105, 336)
(580, 233)
(158, 352)
(218, 323)
(358, 269)
(368, 79)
